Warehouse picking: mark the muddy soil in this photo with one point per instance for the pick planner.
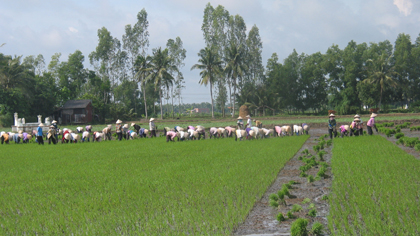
(262, 218)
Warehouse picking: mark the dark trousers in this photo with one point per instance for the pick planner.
(153, 133)
(52, 139)
(119, 136)
(369, 130)
(331, 131)
(40, 140)
(355, 132)
(168, 138)
(2, 140)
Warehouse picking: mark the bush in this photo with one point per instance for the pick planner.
(298, 227)
(317, 228)
(280, 217)
(290, 215)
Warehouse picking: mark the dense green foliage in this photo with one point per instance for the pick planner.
(375, 188)
(139, 187)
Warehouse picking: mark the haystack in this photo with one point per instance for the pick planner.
(244, 111)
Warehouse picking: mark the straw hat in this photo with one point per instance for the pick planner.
(53, 122)
(126, 126)
(20, 136)
(356, 116)
(248, 116)
(373, 115)
(240, 118)
(20, 132)
(118, 121)
(180, 129)
(52, 126)
(152, 119)
(332, 114)
(41, 125)
(357, 119)
(133, 124)
(29, 136)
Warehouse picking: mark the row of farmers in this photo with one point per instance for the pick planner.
(85, 134)
(355, 128)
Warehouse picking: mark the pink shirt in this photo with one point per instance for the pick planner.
(371, 122)
(191, 127)
(278, 129)
(343, 129)
(213, 130)
(229, 129)
(171, 133)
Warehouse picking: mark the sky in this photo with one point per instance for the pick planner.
(32, 27)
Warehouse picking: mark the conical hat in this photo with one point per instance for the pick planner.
(332, 114)
(152, 119)
(126, 126)
(118, 121)
(356, 116)
(240, 118)
(132, 124)
(357, 119)
(373, 115)
(20, 132)
(53, 122)
(41, 125)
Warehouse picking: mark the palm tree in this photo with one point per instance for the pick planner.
(142, 65)
(160, 67)
(210, 66)
(235, 67)
(381, 72)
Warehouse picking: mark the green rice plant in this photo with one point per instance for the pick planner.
(281, 194)
(316, 148)
(290, 215)
(417, 147)
(310, 179)
(329, 142)
(273, 203)
(306, 151)
(321, 155)
(303, 174)
(399, 135)
(312, 205)
(285, 191)
(300, 158)
(296, 208)
(292, 182)
(317, 228)
(408, 142)
(325, 197)
(312, 212)
(321, 172)
(306, 200)
(397, 130)
(324, 164)
(298, 227)
(280, 217)
(274, 197)
(288, 185)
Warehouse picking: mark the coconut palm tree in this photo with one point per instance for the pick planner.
(210, 66)
(142, 65)
(160, 67)
(235, 67)
(381, 72)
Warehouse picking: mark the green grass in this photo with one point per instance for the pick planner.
(139, 187)
(375, 190)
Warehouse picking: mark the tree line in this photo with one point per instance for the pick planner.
(124, 80)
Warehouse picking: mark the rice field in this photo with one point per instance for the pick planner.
(375, 190)
(138, 187)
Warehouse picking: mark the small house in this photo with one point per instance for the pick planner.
(76, 111)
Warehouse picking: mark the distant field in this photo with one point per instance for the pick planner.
(138, 187)
(375, 188)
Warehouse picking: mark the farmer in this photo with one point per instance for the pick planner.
(39, 134)
(17, 137)
(240, 123)
(152, 127)
(258, 123)
(125, 132)
(136, 127)
(5, 138)
(371, 124)
(344, 130)
(201, 131)
(54, 123)
(118, 129)
(332, 126)
(26, 137)
(248, 122)
(361, 124)
(355, 127)
(170, 136)
(79, 130)
(51, 135)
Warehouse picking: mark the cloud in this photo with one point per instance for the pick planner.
(73, 30)
(405, 6)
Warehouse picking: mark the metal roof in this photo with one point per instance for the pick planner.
(70, 104)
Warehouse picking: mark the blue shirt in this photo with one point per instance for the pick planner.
(39, 131)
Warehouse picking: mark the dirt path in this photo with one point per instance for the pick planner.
(262, 218)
